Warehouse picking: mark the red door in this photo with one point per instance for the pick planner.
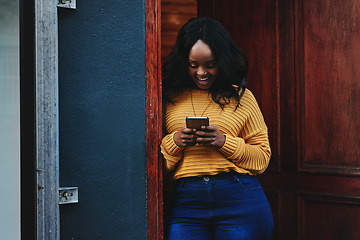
(304, 59)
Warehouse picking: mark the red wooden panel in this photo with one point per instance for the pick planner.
(288, 185)
(329, 86)
(181, 9)
(328, 217)
(153, 121)
(290, 182)
(258, 37)
(178, 2)
(174, 14)
(168, 39)
(289, 117)
(176, 19)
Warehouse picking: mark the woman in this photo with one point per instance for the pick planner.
(216, 195)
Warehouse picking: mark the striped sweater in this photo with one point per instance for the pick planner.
(246, 149)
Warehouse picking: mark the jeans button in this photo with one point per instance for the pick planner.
(206, 178)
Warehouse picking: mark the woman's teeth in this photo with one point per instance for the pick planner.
(203, 78)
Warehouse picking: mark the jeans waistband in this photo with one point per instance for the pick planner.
(226, 175)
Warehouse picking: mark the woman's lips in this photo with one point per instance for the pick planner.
(203, 79)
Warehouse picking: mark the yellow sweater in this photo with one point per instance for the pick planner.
(246, 149)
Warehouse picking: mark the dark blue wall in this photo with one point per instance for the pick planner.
(102, 119)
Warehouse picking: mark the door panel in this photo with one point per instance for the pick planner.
(174, 14)
(258, 38)
(327, 210)
(303, 70)
(328, 37)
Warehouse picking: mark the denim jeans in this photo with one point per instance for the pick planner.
(225, 206)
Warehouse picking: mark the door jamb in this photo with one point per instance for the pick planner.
(154, 120)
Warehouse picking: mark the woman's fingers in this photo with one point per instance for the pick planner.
(185, 137)
(210, 136)
(206, 136)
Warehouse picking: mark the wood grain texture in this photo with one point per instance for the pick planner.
(174, 14)
(153, 121)
(329, 88)
(330, 217)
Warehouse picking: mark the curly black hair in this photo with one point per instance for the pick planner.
(231, 61)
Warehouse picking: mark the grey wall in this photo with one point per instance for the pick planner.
(102, 119)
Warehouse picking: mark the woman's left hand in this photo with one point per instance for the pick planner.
(210, 136)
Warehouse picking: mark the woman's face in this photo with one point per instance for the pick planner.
(203, 67)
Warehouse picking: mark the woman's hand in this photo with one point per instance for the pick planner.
(185, 137)
(210, 136)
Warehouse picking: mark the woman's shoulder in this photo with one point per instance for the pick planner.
(247, 94)
(244, 93)
(248, 99)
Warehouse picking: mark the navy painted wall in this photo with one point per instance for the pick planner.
(102, 119)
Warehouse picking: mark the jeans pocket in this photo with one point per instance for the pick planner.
(250, 183)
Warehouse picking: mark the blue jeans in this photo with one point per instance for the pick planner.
(227, 206)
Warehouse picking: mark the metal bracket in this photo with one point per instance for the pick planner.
(66, 4)
(68, 195)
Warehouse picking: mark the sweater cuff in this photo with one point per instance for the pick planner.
(232, 146)
(171, 146)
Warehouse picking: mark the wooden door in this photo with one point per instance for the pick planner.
(304, 59)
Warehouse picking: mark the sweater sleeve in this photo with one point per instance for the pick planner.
(171, 152)
(252, 150)
(252, 154)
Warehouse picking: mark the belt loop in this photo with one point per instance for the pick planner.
(236, 179)
(182, 183)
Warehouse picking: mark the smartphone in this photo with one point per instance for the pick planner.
(196, 122)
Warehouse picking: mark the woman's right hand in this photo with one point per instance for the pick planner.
(185, 137)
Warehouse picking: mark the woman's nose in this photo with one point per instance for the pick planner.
(201, 71)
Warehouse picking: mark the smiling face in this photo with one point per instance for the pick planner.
(203, 68)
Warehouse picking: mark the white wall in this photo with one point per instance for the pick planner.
(9, 120)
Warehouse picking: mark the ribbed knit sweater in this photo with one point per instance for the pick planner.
(246, 149)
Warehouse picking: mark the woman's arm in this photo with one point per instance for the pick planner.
(249, 150)
(252, 154)
(172, 153)
(173, 144)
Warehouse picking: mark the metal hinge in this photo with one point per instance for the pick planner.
(66, 4)
(68, 195)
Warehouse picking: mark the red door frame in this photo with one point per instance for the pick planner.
(153, 120)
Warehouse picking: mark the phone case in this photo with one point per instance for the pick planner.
(197, 122)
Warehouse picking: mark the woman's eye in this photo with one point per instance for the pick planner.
(209, 66)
